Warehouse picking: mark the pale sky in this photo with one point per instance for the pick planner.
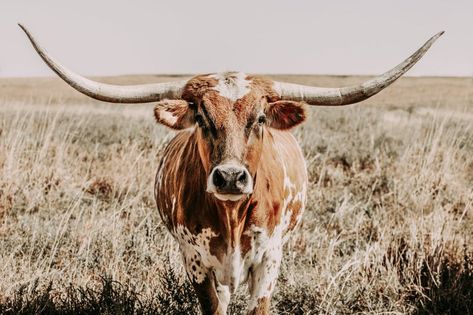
(110, 37)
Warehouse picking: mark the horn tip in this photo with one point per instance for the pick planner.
(438, 34)
(434, 38)
(22, 27)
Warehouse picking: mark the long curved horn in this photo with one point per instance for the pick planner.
(143, 93)
(350, 94)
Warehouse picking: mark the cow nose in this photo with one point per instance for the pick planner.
(230, 179)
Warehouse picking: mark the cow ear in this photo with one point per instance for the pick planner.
(175, 114)
(285, 114)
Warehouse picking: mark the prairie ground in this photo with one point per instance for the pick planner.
(388, 226)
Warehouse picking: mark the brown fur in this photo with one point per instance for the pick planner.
(175, 108)
(262, 308)
(286, 114)
(188, 159)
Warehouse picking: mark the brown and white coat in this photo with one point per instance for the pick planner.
(225, 242)
(232, 183)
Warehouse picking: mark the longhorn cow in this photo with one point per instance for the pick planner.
(232, 183)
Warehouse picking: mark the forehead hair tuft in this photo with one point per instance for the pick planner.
(232, 85)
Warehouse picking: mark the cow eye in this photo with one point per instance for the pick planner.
(262, 120)
(199, 120)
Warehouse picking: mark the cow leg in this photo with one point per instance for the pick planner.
(263, 278)
(213, 297)
(223, 293)
(209, 297)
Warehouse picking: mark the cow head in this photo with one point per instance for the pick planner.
(230, 112)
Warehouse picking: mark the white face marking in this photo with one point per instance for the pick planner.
(232, 85)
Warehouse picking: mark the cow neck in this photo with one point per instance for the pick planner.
(228, 217)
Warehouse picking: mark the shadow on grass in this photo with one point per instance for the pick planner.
(447, 285)
(174, 297)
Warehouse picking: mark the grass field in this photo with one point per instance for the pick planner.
(388, 226)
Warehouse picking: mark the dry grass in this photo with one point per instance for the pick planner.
(388, 228)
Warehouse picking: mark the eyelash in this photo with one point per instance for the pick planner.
(199, 120)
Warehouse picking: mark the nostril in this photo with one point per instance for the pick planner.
(218, 179)
(242, 177)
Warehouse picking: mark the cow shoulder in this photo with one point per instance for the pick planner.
(281, 184)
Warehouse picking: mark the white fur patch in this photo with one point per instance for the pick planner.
(159, 179)
(267, 256)
(233, 263)
(223, 294)
(168, 117)
(198, 260)
(232, 85)
(195, 250)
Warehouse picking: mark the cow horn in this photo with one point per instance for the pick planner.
(142, 93)
(350, 94)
